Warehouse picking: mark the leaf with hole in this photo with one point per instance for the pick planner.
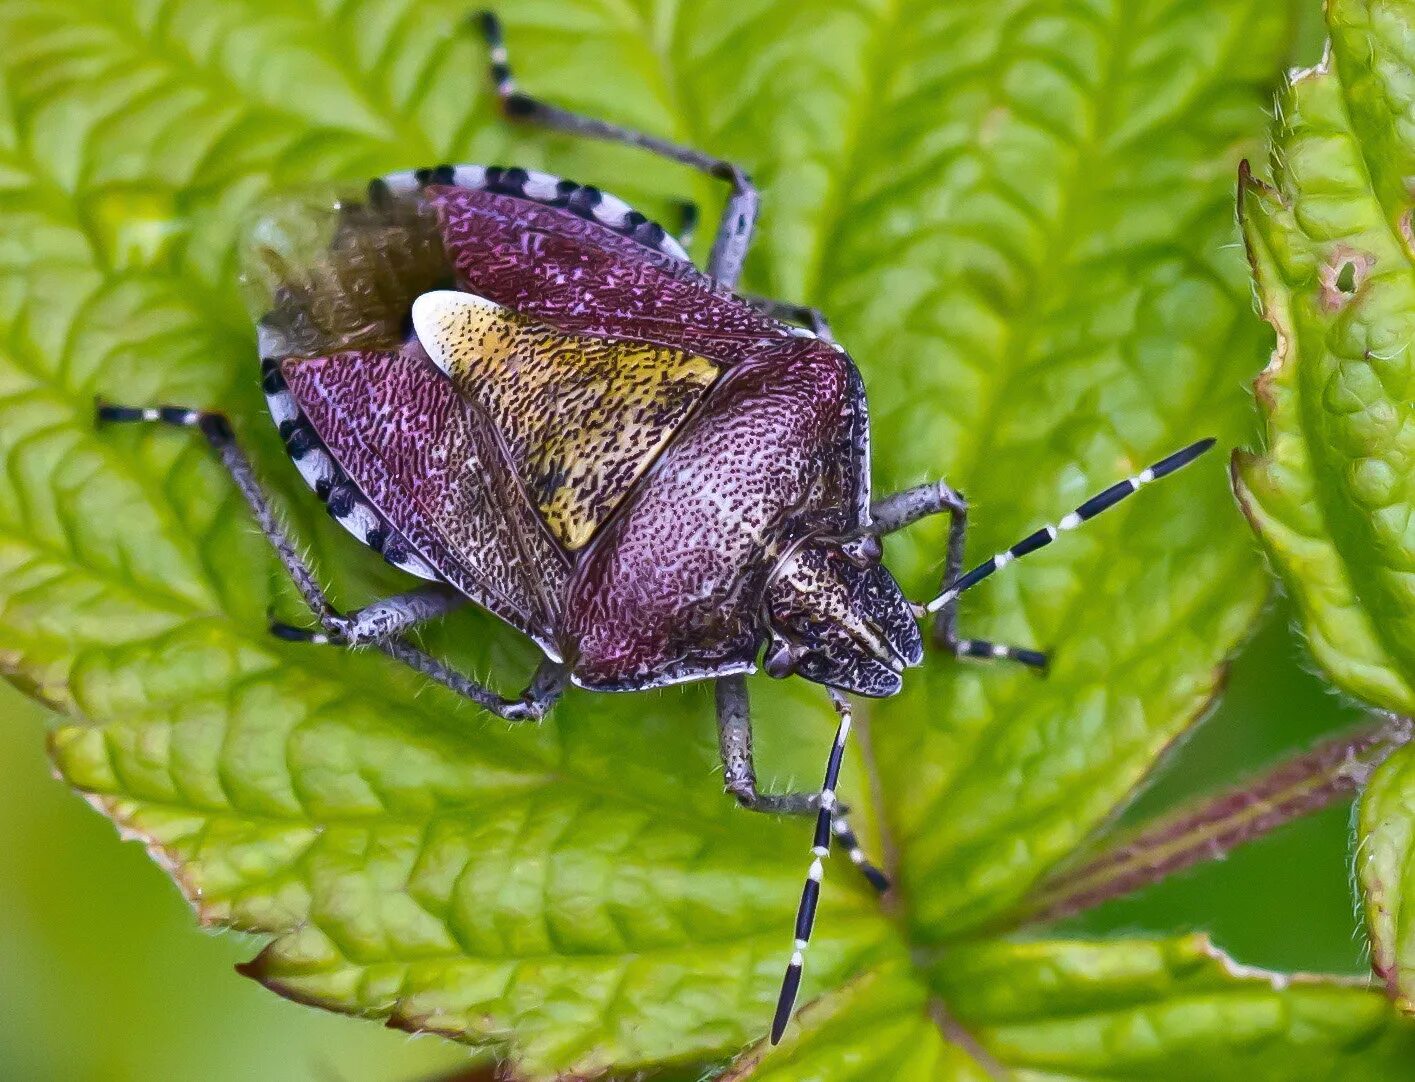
(1331, 249)
(1331, 495)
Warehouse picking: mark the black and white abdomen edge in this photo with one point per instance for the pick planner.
(342, 498)
(583, 200)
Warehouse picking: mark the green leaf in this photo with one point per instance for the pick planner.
(1018, 216)
(1059, 303)
(1331, 249)
(1130, 1009)
(1384, 865)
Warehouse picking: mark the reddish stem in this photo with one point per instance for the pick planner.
(1213, 826)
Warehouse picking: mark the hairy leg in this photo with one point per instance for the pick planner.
(533, 703)
(384, 619)
(734, 231)
(909, 506)
(734, 733)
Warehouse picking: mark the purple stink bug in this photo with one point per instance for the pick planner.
(521, 390)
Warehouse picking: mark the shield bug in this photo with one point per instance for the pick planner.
(520, 390)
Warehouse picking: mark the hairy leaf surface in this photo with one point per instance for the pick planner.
(1331, 248)
(1384, 860)
(1332, 494)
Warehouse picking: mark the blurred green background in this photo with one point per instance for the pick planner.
(106, 978)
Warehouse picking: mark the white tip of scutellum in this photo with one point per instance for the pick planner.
(445, 320)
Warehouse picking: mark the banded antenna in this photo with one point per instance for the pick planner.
(827, 802)
(820, 849)
(1040, 539)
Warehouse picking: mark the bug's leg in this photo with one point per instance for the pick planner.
(217, 430)
(907, 507)
(734, 231)
(892, 513)
(945, 632)
(810, 893)
(734, 736)
(381, 620)
(811, 318)
(687, 222)
(533, 703)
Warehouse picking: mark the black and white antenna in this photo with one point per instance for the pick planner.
(820, 849)
(1090, 509)
(820, 845)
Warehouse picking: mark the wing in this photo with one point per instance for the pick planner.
(576, 274)
(583, 277)
(432, 464)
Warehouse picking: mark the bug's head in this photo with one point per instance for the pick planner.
(837, 617)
